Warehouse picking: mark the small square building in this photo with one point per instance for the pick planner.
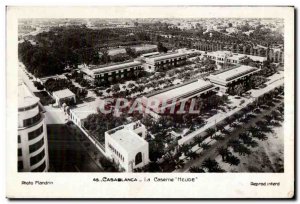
(126, 146)
(64, 96)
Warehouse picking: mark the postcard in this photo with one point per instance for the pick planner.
(152, 102)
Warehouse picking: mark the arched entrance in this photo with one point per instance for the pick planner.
(138, 158)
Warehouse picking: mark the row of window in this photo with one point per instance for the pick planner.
(35, 133)
(106, 75)
(35, 159)
(28, 108)
(118, 71)
(32, 121)
(168, 61)
(36, 146)
(41, 168)
(116, 152)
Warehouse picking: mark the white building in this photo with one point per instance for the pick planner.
(113, 72)
(127, 147)
(63, 96)
(171, 96)
(226, 57)
(79, 114)
(32, 133)
(225, 78)
(165, 60)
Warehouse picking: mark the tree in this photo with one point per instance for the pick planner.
(153, 167)
(116, 88)
(131, 52)
(233, 160)
(224, 152)
(38, 85)
(194, 169)
(211, 165)
(205, 146)
(105, 58)
(161, 47)
(192, 155)
(239, 89)
(210, 132)
(198, 140)
(185, 148)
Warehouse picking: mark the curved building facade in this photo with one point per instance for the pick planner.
(32, 133)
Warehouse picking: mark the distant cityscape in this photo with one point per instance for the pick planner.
(151, 95)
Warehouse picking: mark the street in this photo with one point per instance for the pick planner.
(212, 151)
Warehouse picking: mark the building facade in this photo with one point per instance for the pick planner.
(168, 100)
(113, 73)
(226, 57)
(226, 78)
(64, 96)
(32, 133)
(126, 146)
(164, 61)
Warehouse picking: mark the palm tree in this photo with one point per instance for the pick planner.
(185, 148)
(194, 169)
(198, 140)
(205, 146)
(192, 155)
(224, 152)
(259, 135)
(219, 126)
(233, 160)
(211, 165)
(210, 132)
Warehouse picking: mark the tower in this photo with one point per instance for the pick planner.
(32, 133)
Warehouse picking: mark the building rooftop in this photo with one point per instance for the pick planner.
(233, 73)
(150, 54)
(65, 93)
(183, 90)
(115, 67)
(83, 111)
(237, 56)
(166, 56)
(25, 97)
(128, 139)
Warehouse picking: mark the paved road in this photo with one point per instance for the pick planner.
(212, 151)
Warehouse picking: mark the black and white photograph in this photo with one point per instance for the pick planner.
(151, 95)
(193, 95)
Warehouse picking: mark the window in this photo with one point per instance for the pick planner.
(28, 108)
(20, 165)
(19, 152)
(35, 133)
(36, 146)
(41, 168)
(138, 158)
(19, 139)
(35, 159)
(31, 121)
